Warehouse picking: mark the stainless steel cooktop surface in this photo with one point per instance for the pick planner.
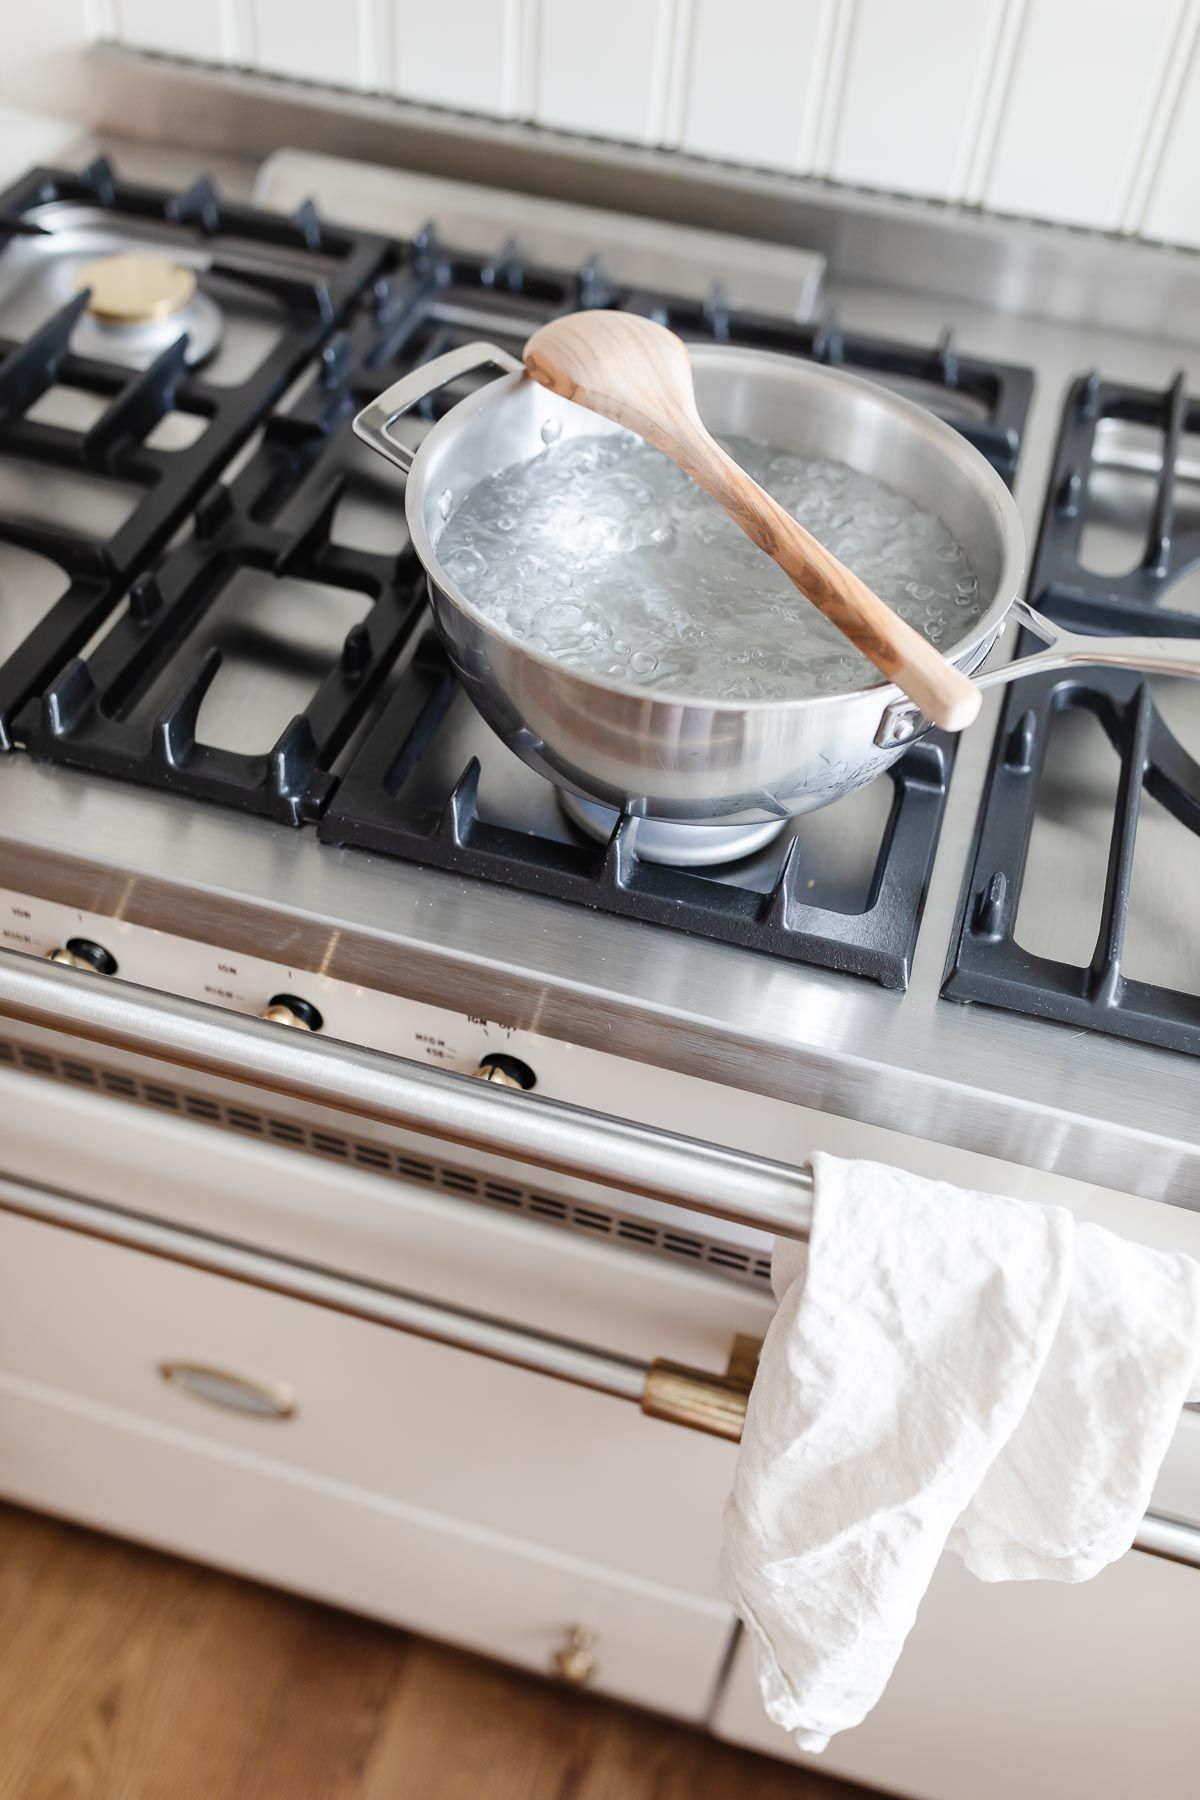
(1121, 1114)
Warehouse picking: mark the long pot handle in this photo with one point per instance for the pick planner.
(374, 423)
(1157, 656)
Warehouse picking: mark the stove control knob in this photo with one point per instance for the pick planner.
(506, 1071)
(289, 1009)
(82, 953)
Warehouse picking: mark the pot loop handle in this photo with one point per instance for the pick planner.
(373, 424)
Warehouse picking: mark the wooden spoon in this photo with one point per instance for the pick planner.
(639, 374)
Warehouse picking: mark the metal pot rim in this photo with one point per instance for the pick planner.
(965, 654)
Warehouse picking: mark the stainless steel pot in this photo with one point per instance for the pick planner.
(667, 756)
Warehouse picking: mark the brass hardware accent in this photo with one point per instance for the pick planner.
(744, 1353)
(135, 290)
(63, 955)
(498, 1077)
(715, 1404)
(283, 1015)
(506, 1071)
(84, 953)
(270, 1400)
(575, 1660)
(293, 1010)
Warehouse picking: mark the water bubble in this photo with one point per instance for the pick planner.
(464, 563)
(446, 502)
(551, 430)
(610, 557)
(560, 623)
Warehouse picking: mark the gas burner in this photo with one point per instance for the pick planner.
(675, 846)
(108, 438)
(139, 304)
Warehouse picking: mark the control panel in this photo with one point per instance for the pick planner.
(293, 999)
(299, 1000)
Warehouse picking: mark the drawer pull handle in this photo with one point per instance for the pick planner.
(235, 1393)
(574, 1661)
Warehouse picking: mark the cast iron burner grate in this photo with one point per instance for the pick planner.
(103, 714)
(987, 963)
(433, 299)
(372, 810)
(310, 274)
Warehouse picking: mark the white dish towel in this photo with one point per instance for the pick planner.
(944, 1368)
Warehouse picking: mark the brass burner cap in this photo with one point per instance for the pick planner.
(134, 289)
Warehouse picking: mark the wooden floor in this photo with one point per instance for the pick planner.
(126, 1675)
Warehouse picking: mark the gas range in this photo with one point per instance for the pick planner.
(244, 664)
(231, 726)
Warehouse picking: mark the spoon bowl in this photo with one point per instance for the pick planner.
(639, 375)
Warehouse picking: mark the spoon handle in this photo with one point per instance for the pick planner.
(944, 694)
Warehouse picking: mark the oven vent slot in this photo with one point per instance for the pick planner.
(726, 1260)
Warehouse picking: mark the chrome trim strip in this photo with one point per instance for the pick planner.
(706, 1178)
(625, 1378)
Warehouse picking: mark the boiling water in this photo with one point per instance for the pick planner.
(601, 553)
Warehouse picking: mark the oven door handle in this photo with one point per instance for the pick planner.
(391, 1090)
(674, 1392)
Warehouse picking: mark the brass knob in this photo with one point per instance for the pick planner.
(575, 1660)
(289, 1009)
(283, 1015)
(506, 1071)
(82, 953)
(63, 955)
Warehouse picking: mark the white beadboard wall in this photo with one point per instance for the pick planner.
(915, 79)
(1081, 111)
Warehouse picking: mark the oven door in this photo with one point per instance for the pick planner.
(274, 1350)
